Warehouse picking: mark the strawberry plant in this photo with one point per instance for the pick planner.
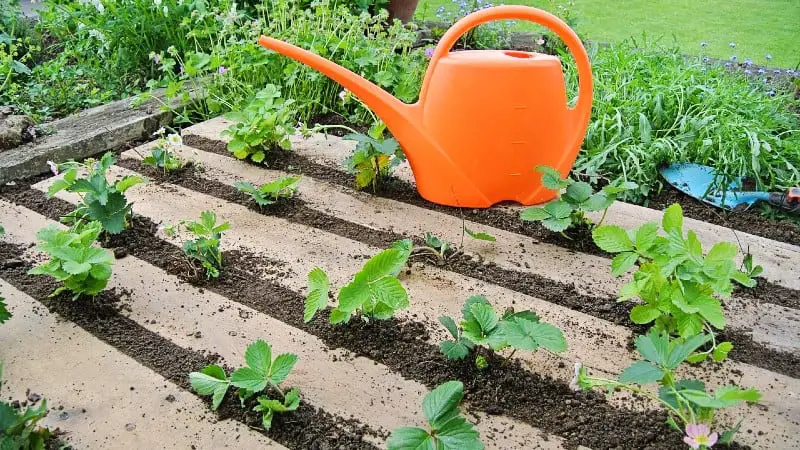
(271, 192)
(678, 286)
(74, 261)
(100, 200)
(18, 429)
(482, 325)
(687, 402)
(266, 122)
(435, 246)
(375, 292)
(374, 157)
(205, 247)
(261, 375)
(570, 208)
(163, 154)
(447, 429)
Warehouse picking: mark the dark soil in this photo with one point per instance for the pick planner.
(308, 427)
(527, 283)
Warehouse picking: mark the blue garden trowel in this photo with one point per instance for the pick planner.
(702, 183)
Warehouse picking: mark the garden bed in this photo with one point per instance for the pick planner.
(161, 318)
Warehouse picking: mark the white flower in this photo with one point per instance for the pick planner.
(157, 3)
(175, 140)
(166, 11)
(99, 6)
(344, 95)
(159, 132)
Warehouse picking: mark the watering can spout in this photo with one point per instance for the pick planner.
(396, 114)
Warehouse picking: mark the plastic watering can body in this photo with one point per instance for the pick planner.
(485, 118)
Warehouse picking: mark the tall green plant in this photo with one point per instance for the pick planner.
(677, 283)
(101, 200)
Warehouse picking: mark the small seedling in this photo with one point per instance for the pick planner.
(686, 401)
(675, 281)
(163, 154)
(375, 292)
(100, 200)
(262, 374)
(271, 192)
(481, 325)
(19, 430)
(265, 123)
(74, 260)
(447, 429)
(375, 155)
(479, 236)
(205, 248)
(435, 246)
(570, 208)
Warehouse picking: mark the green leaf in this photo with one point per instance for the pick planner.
(389, 262)
(466, 310)
(453, 350)
(579, 192)
(681, 350)
(249, 379)
(688, 324)
(622, 262)
(458, 434)
(598, 202)
(641, 372)
(646, 236)
(642, 314)
(654, 347)
(527, 335)
(58, 185)
(733, 395)
(673, 219)
(711, 310)
(128, 182)
(695, 358)
(450, 324)
(612, 238)
(721, 252)
(339, 316)
(727, 436)
(410, 438)
(318, 288)
(259, 357)
(485, 317)
(210, 381)
(281, 367)
(100, 271)
(258, 156)
(75, 268)
(442, 402)
(722, 350)
(390, 292)
(559, 209)
(557, 225)
(480, 235)
(4, 314)
(551, 178)
(534, 214)
(112, 215)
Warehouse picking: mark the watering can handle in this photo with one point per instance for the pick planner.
(583, 108)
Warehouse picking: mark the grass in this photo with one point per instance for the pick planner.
(758, 27)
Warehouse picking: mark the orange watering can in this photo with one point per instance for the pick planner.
(485, 118)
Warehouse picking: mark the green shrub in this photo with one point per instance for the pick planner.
(267, 122)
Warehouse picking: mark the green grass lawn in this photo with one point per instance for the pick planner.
(758, 27)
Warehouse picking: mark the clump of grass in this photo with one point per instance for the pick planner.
(654, 106)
